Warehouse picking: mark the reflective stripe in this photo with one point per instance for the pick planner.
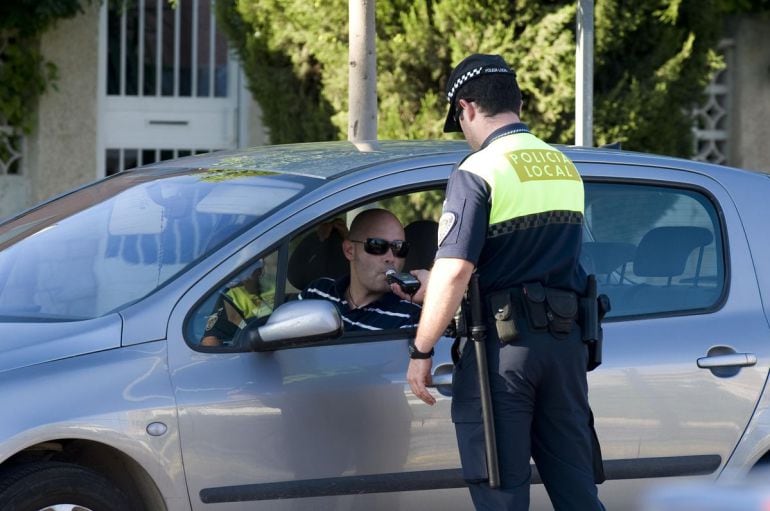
(250, 305)
(539, 177)
(536, 220)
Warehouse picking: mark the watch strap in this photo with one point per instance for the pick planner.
(414, 353)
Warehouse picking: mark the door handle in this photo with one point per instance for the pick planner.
(440, 380)
(728, 360)
(442, 376)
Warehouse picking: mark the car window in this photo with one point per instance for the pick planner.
(107, 245)
(316, 252)
(246, 297)
(654, 249)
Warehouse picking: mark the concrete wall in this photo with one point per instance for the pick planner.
(750, 110)
(62, 150)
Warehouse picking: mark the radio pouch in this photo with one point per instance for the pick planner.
(534, 305)
(502, 307)
(562, 311)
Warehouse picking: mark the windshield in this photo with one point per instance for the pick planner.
(107, 245)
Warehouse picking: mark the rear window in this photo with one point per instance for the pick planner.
(654, 249)
(109, 244)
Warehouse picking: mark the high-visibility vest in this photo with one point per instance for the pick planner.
(526, 177)
(249, 304)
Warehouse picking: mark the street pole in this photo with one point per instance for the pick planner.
(584, 75)
(362, 72)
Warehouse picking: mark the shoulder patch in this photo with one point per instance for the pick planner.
(445, 224)
(212, 320)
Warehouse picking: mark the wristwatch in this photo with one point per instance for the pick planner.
(414, 353)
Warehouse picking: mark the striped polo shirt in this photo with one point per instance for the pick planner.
(388, 312)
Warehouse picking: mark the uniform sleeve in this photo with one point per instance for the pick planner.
(464, 220)
(217, 324)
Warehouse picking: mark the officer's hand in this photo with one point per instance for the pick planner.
(419, 296)
(418, 376)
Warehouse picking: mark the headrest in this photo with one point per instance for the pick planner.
(664, 251)
(603, 257)
(422, 236)
(313, 258)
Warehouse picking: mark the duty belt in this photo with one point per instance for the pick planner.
(543, 308)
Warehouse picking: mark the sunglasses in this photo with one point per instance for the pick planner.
(379, 246)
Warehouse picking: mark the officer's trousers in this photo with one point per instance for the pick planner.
(540, 403)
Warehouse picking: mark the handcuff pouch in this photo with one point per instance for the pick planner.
(562, 311)
(534, 305)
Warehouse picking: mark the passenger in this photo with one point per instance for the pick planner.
(236, 305)
(374, 245)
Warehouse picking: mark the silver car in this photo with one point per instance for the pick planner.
(111, 400)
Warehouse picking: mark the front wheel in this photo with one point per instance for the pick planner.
(54, 486)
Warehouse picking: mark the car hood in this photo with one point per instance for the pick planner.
(25, 344)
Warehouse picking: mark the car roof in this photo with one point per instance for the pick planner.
(324, 160)
(331, 160)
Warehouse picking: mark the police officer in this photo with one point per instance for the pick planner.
(236, 304)
(513, 213)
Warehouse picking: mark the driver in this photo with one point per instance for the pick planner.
(364, 298)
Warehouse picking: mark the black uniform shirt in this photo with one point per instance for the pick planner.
(547, 253)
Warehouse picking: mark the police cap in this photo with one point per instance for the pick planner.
(473, 66)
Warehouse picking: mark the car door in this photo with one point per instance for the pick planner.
(685, 346)
(326, 426)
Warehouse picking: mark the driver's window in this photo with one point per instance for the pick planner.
(314, 253)
(249, 296)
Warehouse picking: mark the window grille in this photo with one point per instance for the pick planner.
(11, 150)
(711, 120)
(122, 159)
(158, 50)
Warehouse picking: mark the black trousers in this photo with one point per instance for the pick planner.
(540, 403)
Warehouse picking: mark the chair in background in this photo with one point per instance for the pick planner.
(606, 257)
(664, 251)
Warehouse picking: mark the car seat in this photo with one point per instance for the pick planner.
(605, 257)
(422, 236)
(313, 258)
(664, 252)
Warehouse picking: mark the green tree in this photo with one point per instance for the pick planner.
(652, 61)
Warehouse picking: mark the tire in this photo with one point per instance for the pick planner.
(54, 486)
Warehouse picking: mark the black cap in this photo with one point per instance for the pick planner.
(471, 67)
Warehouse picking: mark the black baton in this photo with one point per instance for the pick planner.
(478, 332)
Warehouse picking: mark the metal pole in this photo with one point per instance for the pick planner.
(362, 72)
(584, 74)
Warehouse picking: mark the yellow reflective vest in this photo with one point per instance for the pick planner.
(526, 176)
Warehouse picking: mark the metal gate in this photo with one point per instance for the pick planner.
(168, 86)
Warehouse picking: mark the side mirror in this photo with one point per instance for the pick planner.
(294, 324)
